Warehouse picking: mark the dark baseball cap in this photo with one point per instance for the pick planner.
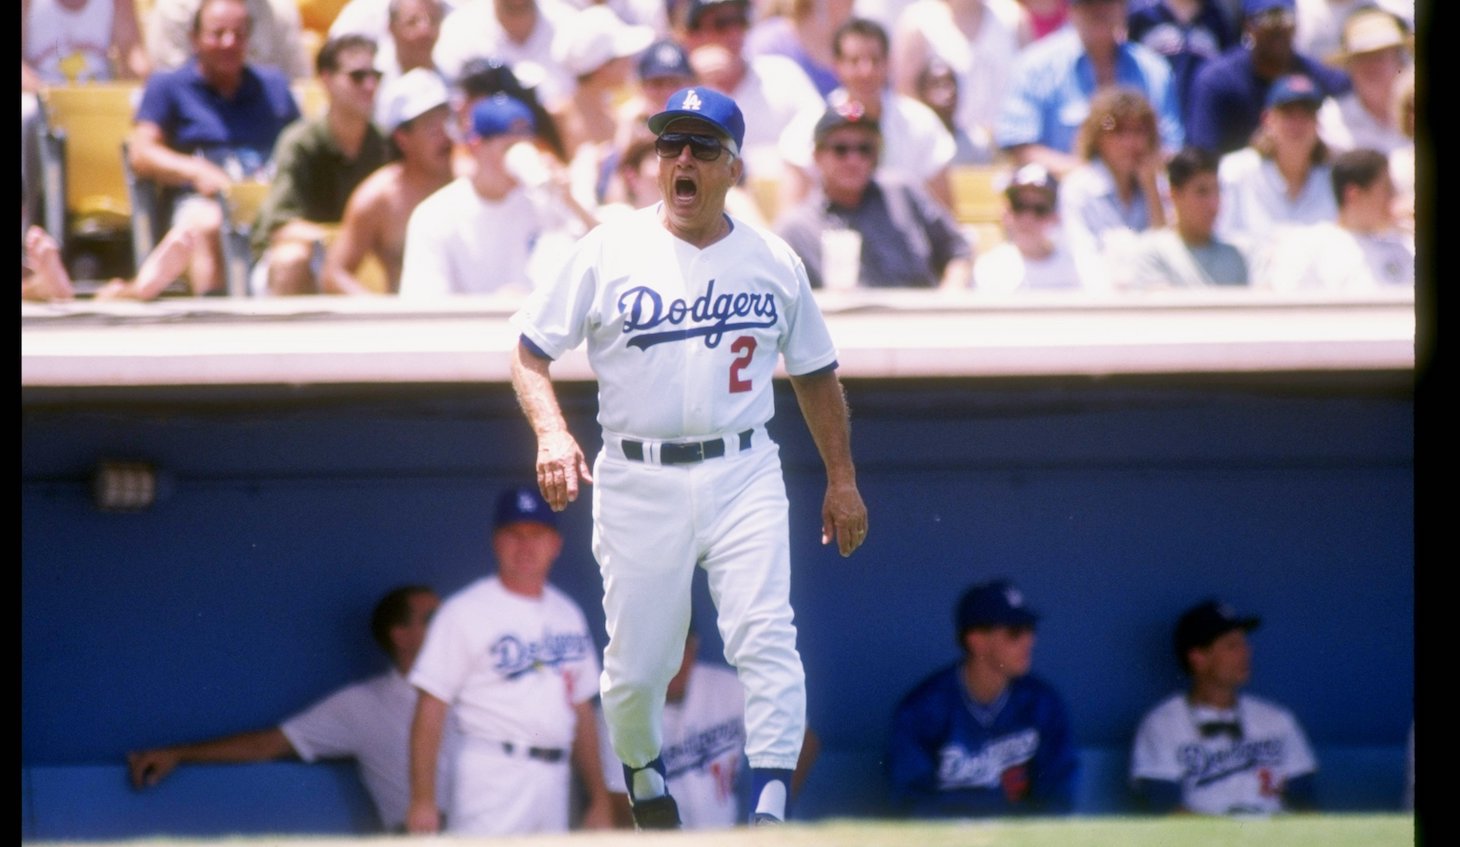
(845, 113)
(706, 104)
(665, 58)
(996, 603)
(523, 504)
(1294, 88)
(698, 7)
(1207, 621)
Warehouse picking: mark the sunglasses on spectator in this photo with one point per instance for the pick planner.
(866, 150)
(724, 23)
(704, 147)
(360, 75)
(1039, 210)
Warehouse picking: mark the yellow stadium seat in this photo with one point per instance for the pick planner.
(977, 200)
(85, 127)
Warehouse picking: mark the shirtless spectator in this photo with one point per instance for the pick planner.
(417, 112)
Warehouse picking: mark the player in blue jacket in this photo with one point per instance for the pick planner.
(983, 736)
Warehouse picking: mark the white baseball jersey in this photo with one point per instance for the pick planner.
(704, 739)
(685, 341)
(458, 242)
(512, 668)
(1222, 775)
(370, 721)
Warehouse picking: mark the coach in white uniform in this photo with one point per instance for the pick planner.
(512, 657)
(1211, 749)
(686, 312)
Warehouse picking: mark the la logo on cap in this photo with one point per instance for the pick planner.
(692, 101)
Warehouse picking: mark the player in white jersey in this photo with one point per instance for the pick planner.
(512, 657)
(368, 721)
(686, 312)
(1212, 749)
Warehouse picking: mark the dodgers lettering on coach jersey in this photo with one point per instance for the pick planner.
(530, 659)
(1222, 774)
(680, 336)
(951, 757)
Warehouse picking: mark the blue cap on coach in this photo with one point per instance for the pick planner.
(501, 114)
(708, 105)
(523, 504)
(996, 603)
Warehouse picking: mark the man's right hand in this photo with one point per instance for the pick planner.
(210, 180)
(560, 466)
(148, 767)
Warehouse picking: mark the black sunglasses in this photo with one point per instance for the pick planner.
(1039, 210)
(671, 144)
(865, 150)
(359, 75)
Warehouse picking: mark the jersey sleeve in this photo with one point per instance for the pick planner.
(807, 344)
(324, 731)
(1300, 759)
(1055, 765)
(555, 315)
(912, 765)
(445, 656)
(1153, 754)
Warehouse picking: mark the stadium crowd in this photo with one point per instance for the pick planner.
(428, 147)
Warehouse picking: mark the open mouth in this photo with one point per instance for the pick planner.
(685, 188)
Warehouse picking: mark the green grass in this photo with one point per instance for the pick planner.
(1287, 831)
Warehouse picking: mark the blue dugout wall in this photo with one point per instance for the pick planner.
(244, 593)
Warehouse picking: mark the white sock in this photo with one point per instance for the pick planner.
(648, 784)
(772, 800)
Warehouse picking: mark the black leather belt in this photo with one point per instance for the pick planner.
(542, 754)
(685, 454)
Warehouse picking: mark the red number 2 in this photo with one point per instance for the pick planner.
(744, 348)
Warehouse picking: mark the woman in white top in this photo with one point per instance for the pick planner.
(1282, 178)
(1120, 189)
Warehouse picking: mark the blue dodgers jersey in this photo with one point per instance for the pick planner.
(948, 757)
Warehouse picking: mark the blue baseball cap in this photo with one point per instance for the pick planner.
(1294, 88)
(501, 114)
(522, 504)
(708, 105)
(996, 603)
(665, 58)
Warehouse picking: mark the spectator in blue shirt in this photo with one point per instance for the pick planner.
(1229, 92)
(209, 124)
(1055, 77)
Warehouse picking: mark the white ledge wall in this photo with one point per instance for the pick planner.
(879, 334)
